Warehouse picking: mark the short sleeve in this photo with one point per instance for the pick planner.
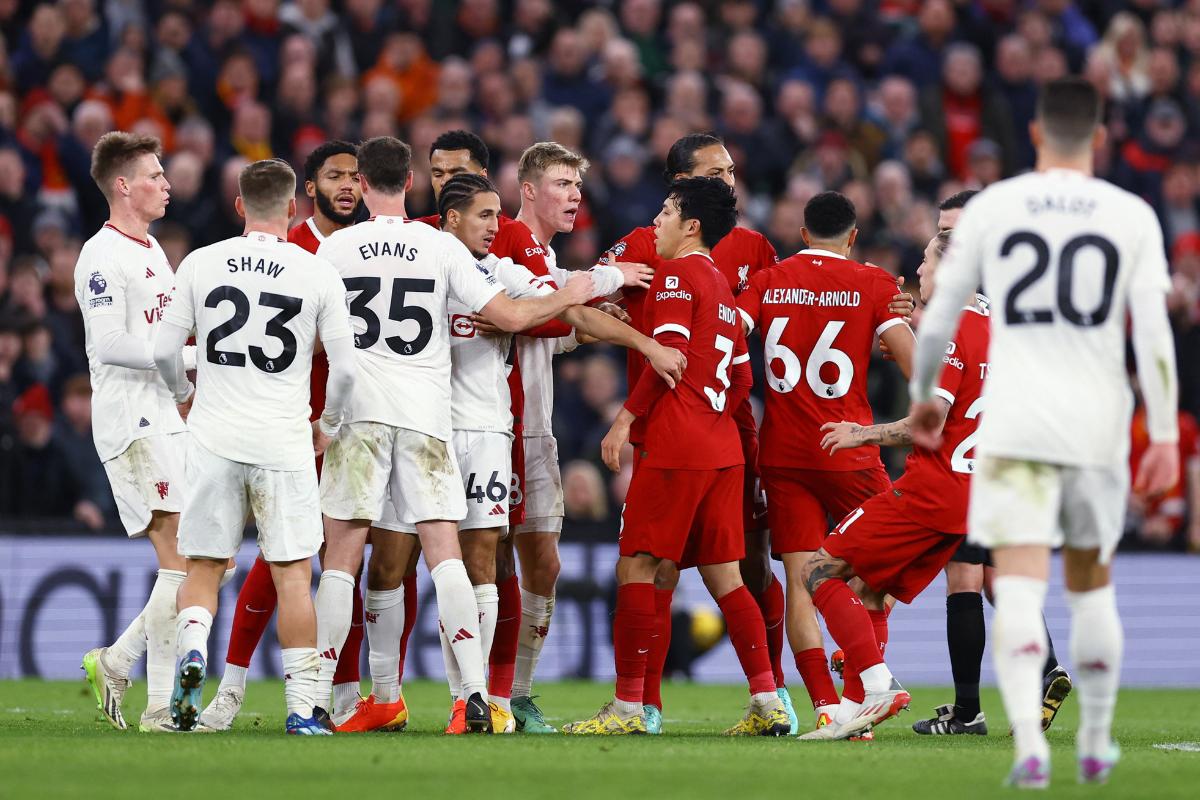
(103, 288)
(673, 295)
(516, 242)
(768, 255)
(953, 370)
(468, 282)
(749, 302)
(333, 318)
(635, 247)
(885, 288)
(182, 309)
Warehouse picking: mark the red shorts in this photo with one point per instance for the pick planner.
(799, 501)
(889, 551)
(516, 495)
(690, 516)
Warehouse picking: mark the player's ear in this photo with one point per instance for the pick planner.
(310, 188)
(853, 238)
(1099, 137)
(806, 237)
(1035, 133)
(408, 182)
(239, 206)
(291, 209)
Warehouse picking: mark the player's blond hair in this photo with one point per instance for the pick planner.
(541, 156)
(115, 153)
(266, 187)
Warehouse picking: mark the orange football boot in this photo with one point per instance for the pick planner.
(372, 715)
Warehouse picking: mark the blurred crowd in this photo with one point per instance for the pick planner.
(896, 103)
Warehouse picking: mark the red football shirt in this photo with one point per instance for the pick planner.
(936, 483)
(435, 220)
(1173, 503)
(738, 256)
(691, 308)
(307, 236)
(818, 314)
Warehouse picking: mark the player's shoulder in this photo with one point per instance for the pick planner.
(432, 220)
(743, 238)
(514, 233)
(639, 242)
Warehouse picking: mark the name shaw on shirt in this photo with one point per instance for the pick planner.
(253, 264)
(807, 297)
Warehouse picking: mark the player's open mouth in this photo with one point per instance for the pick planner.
(570, 213)
(346, 201)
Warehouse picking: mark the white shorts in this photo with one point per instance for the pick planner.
(485, 460)
(284, 503)
(543, 487)
(370, 461)
(1019, 502)
(148, 477)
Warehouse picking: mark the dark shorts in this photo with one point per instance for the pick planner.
(968, 553)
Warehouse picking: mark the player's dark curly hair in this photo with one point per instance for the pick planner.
(957, 200)
(459, 192)
(317, 158)
(829, 216)
(462, 140)
(681, 158)
(709, 201)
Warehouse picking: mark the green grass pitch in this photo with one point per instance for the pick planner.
(53, 744)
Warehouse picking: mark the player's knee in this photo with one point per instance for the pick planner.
(384, 573)
(666, 577)
(963, 578)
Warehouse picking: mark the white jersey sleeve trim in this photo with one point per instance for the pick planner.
(888, 324)
(671, 326)
(942, 393)
(746, 318)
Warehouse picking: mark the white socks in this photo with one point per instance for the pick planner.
(1096, 644)
(234, 677)
(536, 612)
(459, 617)
(122, 654)
(159, 619)
(1019, 647)
(877, 678)
(385, 624)
(335, 603)
(487, 600)
(300, 668)
(192, 627)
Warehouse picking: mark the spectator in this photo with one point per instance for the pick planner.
(566, 82)
(1144, 159)
(1014, 72)
(40, 49)
(896, 114)
(1171, 521)
(36, 473)
(85, 36)
(73, 436)
(585, 502)
(961, 109)
(919, 56)
(843, 113)
(316, 21)
(1124, 51)
(821, 59)
(1180, 208)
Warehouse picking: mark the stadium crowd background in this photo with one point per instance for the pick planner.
(897, 103)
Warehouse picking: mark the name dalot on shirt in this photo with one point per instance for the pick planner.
(807, 297)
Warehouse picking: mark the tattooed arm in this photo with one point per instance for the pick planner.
(846, 435)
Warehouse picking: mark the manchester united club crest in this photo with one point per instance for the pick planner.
(163, 488)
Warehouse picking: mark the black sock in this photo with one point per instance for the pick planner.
(1051, 662)
(966, 636)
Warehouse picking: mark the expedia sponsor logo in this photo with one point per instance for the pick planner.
(679, 294)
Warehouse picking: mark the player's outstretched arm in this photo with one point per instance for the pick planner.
(339, 387)
(616, 439)
(518, 315)
(168, 358)
(668, 362)
(900, 343)
(848, 435)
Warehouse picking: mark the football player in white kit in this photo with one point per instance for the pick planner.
(400, 275)
(122, 283)
(257, 304)
(1064, 256)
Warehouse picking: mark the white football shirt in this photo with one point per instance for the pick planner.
(258, 304)
(480, 364)
(1059, 254)
(399, 276)
(130, 279)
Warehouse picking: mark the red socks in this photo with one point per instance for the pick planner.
(660, 644)
(749, 638)
(410, 617)
(814, 671)
(773, 606)
(349, 659)
(255, 605)
(852, 688)
(633, 625)
(850, 626)
(503, 660)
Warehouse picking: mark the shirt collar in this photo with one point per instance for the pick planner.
(816, 251)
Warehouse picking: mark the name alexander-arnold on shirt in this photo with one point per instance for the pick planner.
(807, 297)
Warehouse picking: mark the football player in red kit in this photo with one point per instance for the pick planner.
(331, 180)
(819, 314)
(898, 541)
(685, 500)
